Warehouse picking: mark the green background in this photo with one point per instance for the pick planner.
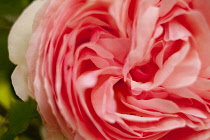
(18, 120)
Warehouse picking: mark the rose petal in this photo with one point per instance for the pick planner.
(155, 104)
(45, 108)
(20, 82)
(119, 11)
(202, 135)
(166, 6)
(176, 31)
(205, 72)
(158, 31)
(193, 111)
(196, 24)
(118, 47)
(184, 73)
(103, 100)
(187, 93)
(21, 32)
(18, 44)
(203, 7)
(165, 124)
(163, 73)
(142, 38)
(169, 65)
(202, 84)
(83, 85)
(134, 118)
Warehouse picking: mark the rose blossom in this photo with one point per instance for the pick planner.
(116, 69)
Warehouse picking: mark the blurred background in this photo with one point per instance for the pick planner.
(18, 120)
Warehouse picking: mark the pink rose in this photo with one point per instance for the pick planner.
(116, 69)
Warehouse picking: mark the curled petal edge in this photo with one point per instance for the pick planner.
(18, 41)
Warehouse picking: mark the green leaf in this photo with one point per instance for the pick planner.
(13, 6)
(5, 93)
(3, 127)
(20, 116)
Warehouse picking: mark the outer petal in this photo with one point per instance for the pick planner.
(21, 32)
(19, 81)
(18, 43)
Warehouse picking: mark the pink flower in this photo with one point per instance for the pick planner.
(116, 69)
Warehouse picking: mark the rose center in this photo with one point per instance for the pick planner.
(144, 73)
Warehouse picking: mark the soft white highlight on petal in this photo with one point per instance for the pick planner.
(18, 44)
(19, 80)
(21, 32)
